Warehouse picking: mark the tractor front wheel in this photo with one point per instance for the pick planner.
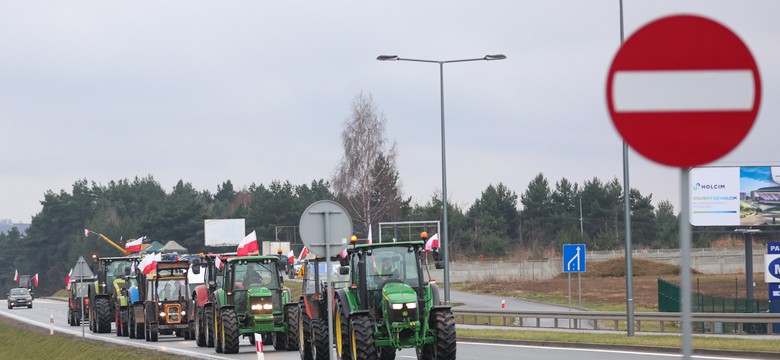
(229, 331)
(362, 338)
(341, 334)
(445, 346)
(386, 353)
(218, 332)
(154, 332)
(200, 336)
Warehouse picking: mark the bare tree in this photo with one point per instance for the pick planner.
(366, 180)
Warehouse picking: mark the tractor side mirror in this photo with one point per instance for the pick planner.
(195, 267)
(344, 270)
(440, 265)
(436, 255)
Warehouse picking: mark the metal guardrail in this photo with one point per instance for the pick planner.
(599, 319)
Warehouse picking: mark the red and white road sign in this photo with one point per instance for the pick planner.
(683, 91)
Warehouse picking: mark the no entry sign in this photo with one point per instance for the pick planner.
(683, 91)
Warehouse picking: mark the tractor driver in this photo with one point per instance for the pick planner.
(388, 269)
(251, 276)
(168, 293)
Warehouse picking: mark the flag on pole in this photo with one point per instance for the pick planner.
(16, 276)
(149, 263)
(67, 280)
(248, 245)
(291, 257)
(303, 254)
(132, 267)
(343, 253)
(370, 239)
(86, 232)
(432, 243)
(218, 263)
(134, 246)
(35, 280)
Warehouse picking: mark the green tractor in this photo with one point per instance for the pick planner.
(107, 303)
(392, 307)
(253, 299)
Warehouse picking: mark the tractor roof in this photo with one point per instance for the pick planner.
(112, 259)
(388, 244)
(254, 258)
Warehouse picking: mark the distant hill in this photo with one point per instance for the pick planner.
(7, 224)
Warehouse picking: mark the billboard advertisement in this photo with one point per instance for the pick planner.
(223, 232)
(735, 196)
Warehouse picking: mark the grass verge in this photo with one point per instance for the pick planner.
(19, 342)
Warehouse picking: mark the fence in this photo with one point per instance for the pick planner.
(669, 301)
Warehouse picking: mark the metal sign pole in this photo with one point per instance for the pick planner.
(329, 271)
(685, 267)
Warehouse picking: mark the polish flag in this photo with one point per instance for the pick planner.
(370, 239)
(67, 278)
(304, 252)
(132, 267)
(86, 232)
(432, 243)
(291, 257)
(149, 263)
(343, 253)
(218, 262)
(35, 280)
(135, 245)
(248, 245)
(16, 276)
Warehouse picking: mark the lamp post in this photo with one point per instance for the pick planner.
(445, 237)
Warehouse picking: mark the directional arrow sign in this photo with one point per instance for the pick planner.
(574, 258)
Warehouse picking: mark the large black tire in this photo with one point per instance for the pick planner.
(218, 329)
(304, 335)
(209, 326)
(319, 339)
(229, 327)
(444, 322)
(362, 336)
(104, 315)
(154, 332)
(131, 323)
(292, 327)
(341, 334)
(200, 336)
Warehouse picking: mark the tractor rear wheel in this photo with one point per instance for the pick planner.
(229, 331)
(218, 332)
(341, 334)
(362, 337)
(304, 334)
(319, 339)
(208, 326)
(131, 323)
(103, 312)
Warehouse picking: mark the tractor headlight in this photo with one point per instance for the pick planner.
(398, 306)
(261, 305)
(411, 305)
(183, 313)
(162, 313)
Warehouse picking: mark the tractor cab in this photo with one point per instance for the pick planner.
(257, 279)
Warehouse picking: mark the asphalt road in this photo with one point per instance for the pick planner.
(43, 308)
(491, 302)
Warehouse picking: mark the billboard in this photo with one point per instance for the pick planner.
(735, 196)
(223, 232)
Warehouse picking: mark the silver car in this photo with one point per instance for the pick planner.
(19, 297)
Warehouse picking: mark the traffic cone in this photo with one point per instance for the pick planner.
(503, 304)
(259, 347)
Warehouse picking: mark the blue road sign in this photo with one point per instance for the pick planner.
(774, 292)
(574, 258)
(773, 248)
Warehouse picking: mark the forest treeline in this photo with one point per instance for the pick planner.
(492, 225)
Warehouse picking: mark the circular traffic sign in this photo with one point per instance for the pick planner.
(325, 225)
(683, 91)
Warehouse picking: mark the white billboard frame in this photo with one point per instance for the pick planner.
(224, 232)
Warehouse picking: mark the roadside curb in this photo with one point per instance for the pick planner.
(657, 349)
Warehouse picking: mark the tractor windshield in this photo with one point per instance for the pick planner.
(171, 289)
(115, 270)
(252, 275)
(387, 263)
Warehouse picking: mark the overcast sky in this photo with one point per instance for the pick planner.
(252, 91)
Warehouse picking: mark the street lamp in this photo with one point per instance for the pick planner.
(445, 237)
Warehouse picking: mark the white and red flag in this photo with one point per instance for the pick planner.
(86, 232)
(291, 256)
(218, 262)
(432, 243)
(343, 253)
(67, 278)
(370, 239)
(35, 280)
(248, 245)
(149, 263)
(135, 245)
(303, 254)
